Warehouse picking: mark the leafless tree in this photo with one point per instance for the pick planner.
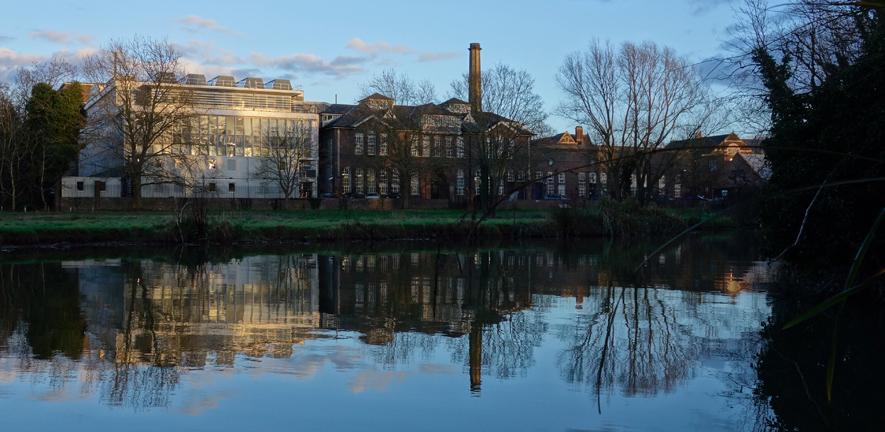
(399, 87)
(54, 72)
(141, 105)
(635, 99)
(287, 154)
(11, 126)
(510, 93)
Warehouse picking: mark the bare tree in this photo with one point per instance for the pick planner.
(287, 154)
(54, 72)
(399, 87)
(140, 107)
(635, 99)
(494, 156)
(510, 93)
(11, 130)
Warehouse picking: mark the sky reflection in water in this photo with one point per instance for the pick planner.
(521, 338)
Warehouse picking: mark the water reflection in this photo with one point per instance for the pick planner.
(129, 330)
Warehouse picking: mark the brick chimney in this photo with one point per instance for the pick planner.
(579, 135)
(475, 79)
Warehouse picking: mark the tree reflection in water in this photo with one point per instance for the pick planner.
(130, 329)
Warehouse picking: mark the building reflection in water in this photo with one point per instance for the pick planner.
(129, 328)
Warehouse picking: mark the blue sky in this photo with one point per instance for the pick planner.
(330, 48)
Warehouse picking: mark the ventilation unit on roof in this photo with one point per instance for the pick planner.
(165, 77)
(279, 84)
(222, 81)
(195, 79)
(251, 82)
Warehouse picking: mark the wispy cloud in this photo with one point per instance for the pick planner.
(376, 48)
(436, 56)
(58, 37)
(195, 23)
(311, 63)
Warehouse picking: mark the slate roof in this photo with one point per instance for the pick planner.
(406, 116)
(707, 141)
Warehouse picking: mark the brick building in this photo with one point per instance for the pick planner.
(431, 152)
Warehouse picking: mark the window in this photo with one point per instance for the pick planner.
(459, 188)
(382, 182)
(561, 191)
(561, 178)
(662, 184)
(370, 144)
(231, 187)
(382, 148)
(592, 177)
(582, 184)
(394, 181)
(603, 178)
(425, 147)
(370, 180)
(211, 187)
(437, 146)
(677, 190)
(413, 146)
(345, 180)
(413, 185)
(633, 182)
(510, 176)
(549, 183)
(80, 186)
(459, 148)
(358, 144)
(359, 187)
(450, 148)
(538, 175)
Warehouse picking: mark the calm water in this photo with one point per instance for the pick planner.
(397, 338)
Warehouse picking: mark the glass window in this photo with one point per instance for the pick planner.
(358, 144)
(370, 144)
(394, 181)
(425, 147)
(345, 180)
(359, 186)
(414, 185)
(382, 182)
(561, 177)
(382, 148)
(592, 177)
(370, 180)
(549, 183)
(459, 148)
(459, 188)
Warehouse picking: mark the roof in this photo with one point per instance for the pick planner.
(758, 163)
(408, 116)
(376, 95)
(555, 141)
(703, 142)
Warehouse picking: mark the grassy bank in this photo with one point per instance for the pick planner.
(18, 229)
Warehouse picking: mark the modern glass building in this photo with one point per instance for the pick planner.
(222, 148)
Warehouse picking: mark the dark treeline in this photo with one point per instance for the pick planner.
(822, 68)
(40, 126)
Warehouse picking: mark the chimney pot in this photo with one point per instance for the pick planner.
(579, 134)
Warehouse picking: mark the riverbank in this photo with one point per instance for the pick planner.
(44, 229)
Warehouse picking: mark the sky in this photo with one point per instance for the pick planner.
(331, 48)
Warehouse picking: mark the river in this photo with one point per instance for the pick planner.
(416, 336)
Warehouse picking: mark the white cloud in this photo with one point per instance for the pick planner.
(58, 37)
(376, 48)
(194, 23)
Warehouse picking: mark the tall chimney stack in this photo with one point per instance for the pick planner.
(475, 79)
(579, 135)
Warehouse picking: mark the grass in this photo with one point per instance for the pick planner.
(300, 225)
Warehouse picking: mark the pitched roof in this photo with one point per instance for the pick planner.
(758, 163)
(407, 116)
(376, 95)
(557, 141)
(706, 141)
